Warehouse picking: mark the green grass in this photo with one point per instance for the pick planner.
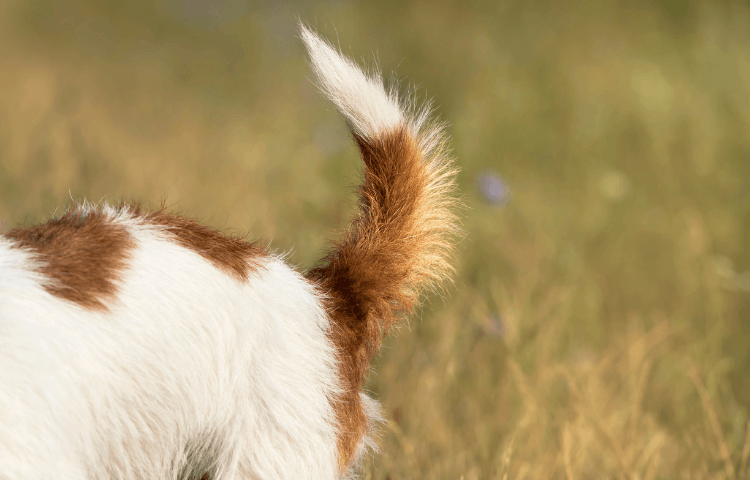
(598, 326)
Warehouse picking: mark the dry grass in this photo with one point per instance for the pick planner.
(599, 325)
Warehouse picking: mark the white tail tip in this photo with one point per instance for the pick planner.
(360, 97)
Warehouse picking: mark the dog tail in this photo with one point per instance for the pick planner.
(398, 247)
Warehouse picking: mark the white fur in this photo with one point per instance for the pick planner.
(187, 357)
(359, 97)
(368, 107)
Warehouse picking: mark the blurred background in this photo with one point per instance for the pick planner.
(598, 326)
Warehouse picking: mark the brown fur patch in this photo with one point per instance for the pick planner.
(234, 256)
(82, 253)
(367, 273)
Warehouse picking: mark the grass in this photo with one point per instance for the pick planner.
(598, 325)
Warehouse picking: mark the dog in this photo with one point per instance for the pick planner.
(138, 344)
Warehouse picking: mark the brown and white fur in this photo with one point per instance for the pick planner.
(139, 344)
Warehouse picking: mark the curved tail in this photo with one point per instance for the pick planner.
(398, 246)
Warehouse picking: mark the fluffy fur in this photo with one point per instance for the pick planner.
(142, 345)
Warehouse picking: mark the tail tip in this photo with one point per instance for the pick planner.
(360, 97)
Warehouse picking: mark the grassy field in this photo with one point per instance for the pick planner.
(598, 327)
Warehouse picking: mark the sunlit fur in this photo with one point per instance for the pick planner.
(142, 345)
(398, 246)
